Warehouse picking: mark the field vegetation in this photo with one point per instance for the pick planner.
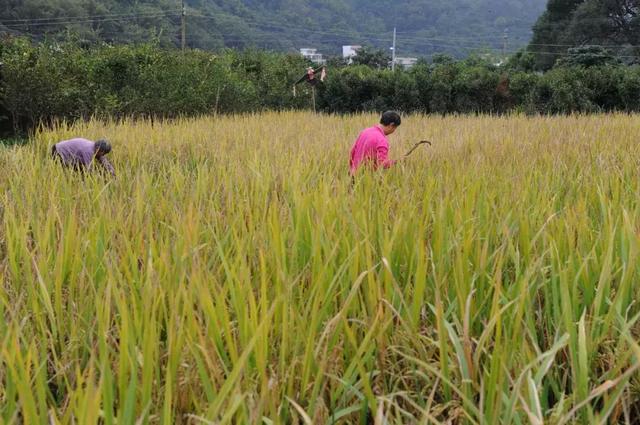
(231, 274)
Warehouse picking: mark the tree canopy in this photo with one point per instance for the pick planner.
(566, 24)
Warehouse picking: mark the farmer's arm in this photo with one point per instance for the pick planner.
(107, 165)
(382, 156)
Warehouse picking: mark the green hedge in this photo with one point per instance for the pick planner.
(43, 82)
(463, 87)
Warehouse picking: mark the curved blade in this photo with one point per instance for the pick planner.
(417, 145)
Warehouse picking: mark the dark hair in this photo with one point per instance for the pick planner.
(391, 117)
(103, 146)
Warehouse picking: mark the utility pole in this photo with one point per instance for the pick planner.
(505, 42)
(313, 98)
(393, 51)
(184, 26)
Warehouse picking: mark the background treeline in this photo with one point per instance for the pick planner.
(48, 81)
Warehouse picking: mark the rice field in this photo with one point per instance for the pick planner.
(231, 274)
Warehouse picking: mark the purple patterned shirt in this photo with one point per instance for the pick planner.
(80, 153)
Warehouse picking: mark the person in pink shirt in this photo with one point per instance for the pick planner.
(372, 146)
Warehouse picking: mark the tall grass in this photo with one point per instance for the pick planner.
(230, 274)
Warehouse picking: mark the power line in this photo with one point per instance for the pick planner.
(410, 41)
(415, 40)
(237, 40)
(121, 17)
(568, 54)
(183, 24)
(336, 32)
(393, 57)
(29, 20)
(416, 43)
(454, 39)
(472, 47)
(479, 39)
(89, 21)
(343, 35)
(494, 37)
(610, 46)
(306, 29)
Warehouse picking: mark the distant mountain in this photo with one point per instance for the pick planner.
(424, 27)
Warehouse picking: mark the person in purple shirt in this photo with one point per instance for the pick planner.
(80, 154)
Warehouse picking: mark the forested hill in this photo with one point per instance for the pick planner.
(424, 26)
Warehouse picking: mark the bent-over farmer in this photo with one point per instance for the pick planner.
(372, 146)
(80, 154)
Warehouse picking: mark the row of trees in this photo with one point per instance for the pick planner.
(47, 81)
(44, 82)
(585, 80)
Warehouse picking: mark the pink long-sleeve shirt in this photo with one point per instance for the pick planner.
(371, 147)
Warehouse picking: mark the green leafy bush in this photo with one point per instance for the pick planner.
(45, 82)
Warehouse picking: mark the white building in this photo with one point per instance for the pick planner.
(348, 52)
(313, 56)
(406, 63)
